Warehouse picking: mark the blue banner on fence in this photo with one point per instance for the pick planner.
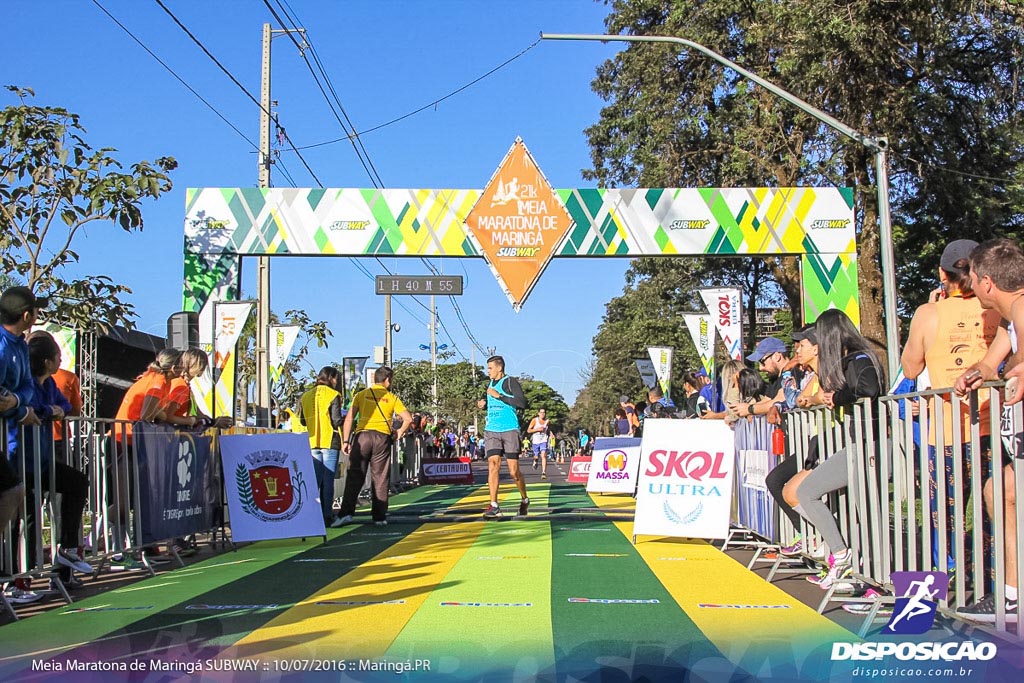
(175, 477)
(754, 460)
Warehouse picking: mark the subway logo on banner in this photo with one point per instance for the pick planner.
(700, 467)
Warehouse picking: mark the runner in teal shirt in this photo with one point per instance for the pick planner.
(501, 435)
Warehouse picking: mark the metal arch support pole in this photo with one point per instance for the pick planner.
(876, 145)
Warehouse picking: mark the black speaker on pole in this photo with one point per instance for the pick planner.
(183, 330)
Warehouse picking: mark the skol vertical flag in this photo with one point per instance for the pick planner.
(661, 356)
(352, 371)
(702, 330)
(282, 339)
(725, 304)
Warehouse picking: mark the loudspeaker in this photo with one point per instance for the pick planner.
(183, 330)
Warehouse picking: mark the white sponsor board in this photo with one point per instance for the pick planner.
(271, 488)
(614, 466)
(686, 475)
(754, 467)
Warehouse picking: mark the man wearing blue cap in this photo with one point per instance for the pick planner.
(770, 357)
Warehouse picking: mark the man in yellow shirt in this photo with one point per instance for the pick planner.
(370, 451)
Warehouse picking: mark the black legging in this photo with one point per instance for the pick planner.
(74, 489)
(777, 480)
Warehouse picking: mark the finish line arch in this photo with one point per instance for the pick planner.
(515, 213)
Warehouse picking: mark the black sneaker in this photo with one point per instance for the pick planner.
(492, 512)
(523, 507)
(984, 610)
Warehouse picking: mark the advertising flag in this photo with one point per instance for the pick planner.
(661, 357)
(725, 304)
(702, 331)
(614, 465)
(686, 479)
(215, 390)
(352, 372)
(647, 373)
(271, 488)
(282, 339)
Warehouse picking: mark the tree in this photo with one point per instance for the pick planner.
(459, 385)
(297, 375)
(540, 394)
(940, 80)
(52, 185)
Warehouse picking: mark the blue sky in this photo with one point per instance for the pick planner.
(385, 59)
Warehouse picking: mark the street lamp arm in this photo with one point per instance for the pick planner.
(878, 146)
(873, 143)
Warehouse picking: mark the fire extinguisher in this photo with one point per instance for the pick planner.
(778, 441)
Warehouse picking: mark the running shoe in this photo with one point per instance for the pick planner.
(341, 521)
(862, 608)
(492, 512)
(544, 475)
(380, 522)
(524, 506)
(125, 563)
(984, 610)
(69, 557)
(795, 548)
(18, 596)
(535, 463)
(837, 571)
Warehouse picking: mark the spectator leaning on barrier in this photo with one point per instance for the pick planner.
(19, 309)
(770, 356)
(997, 278)
(847, 371)
(949, 333)
(49, 404)
(631, 414)
(784, 479)
(180, 408)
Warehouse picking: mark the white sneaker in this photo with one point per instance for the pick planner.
(69, 558)
(341, 521)
(381, 522)
(18, 596)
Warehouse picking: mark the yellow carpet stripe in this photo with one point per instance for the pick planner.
(396, 582)
(694, 572)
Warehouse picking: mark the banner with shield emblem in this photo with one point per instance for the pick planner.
(271, 488)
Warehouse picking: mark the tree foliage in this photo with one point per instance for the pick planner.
(939, 79)
(52, 185)
(297, 374)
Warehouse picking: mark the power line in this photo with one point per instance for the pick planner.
(241, 87)
(173, 73)
(426, 106)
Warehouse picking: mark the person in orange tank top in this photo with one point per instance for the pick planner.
(947, 334)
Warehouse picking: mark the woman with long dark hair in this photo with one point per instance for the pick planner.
(848, 370)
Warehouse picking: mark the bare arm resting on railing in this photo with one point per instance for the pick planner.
(987, 368)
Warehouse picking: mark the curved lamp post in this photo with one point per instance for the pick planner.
(877, 145)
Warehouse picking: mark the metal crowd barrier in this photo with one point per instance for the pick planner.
(111, 521)
(885, 514)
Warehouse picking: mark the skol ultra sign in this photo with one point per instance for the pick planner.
(517, 223)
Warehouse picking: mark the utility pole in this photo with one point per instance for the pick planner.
(472, 376)
(263, 262)
(387, 330)
(433, 354)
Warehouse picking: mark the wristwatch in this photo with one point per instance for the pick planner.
(750, 407)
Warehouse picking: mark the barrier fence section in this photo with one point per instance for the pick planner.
(931, 487)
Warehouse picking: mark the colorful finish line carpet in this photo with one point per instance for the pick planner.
(551, 597)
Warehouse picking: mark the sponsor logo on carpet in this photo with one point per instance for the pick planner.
(617, 601)
(79, 610)
(221, 608)
(596, 555)
(486, 604)
(708, 605)
(507, 557)
(323, 559)
(359, 602)
(569, 528)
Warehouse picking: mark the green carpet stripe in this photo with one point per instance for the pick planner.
(501, 621)
(668, 637)
(231, 578)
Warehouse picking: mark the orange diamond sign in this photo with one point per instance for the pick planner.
(517, 223)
